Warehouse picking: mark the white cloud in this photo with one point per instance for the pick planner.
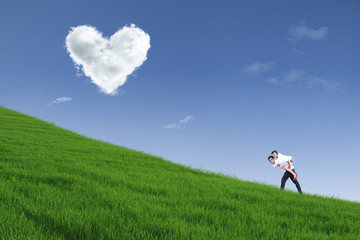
(299, 77)
(257, 68)
(299, 32)
(300, 52)
(296, 75)
(313, 82)
(181, 123)
(274, 80)
(61, 100)
(107, 61)
(172, 126)
(186, 119)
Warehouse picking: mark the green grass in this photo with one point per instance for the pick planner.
(56, 184)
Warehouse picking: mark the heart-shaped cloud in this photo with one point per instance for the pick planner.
(108, 62)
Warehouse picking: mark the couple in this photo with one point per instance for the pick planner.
(285, 163)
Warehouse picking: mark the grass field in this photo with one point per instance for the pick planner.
(56, 184)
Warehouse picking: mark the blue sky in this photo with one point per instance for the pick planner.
(237, 79)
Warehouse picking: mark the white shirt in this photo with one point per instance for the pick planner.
(282, 161)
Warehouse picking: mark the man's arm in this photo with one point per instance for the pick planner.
(288, 168)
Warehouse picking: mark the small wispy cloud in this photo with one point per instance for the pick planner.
(300, 78)
(300, 52)
(257, 68)
(314, 81)
(181, 124)
(274, 80)
(296, 75)
(61, 100)
(299, 32)
(172, 126)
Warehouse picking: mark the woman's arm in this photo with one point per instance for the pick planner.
(288, 168)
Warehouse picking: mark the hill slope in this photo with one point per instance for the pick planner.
(56, 184)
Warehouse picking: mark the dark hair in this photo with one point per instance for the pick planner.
(270, 157)
(274, 152)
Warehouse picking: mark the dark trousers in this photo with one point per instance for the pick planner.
(289, 175)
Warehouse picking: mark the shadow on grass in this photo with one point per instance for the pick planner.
(66, 231)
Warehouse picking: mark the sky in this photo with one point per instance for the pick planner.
(215, 85)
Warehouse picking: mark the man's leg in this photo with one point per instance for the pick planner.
(296, 182)
(284, 179)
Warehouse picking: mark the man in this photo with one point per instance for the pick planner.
(285, 163)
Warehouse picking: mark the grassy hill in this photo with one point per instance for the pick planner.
(56, 184)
